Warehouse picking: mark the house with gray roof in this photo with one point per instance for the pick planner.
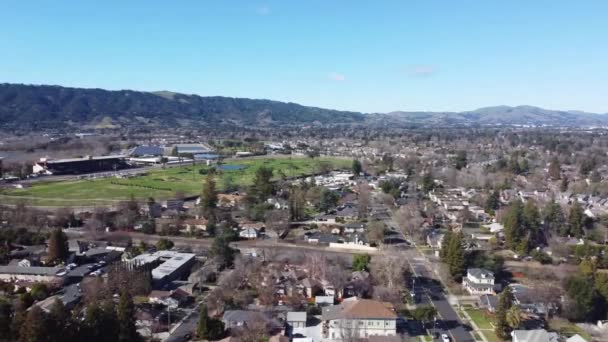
(296, 319)
(243, 318)
(536, 335)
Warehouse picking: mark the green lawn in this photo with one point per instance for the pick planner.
(491, 336)
(480, 318)
(163, 183)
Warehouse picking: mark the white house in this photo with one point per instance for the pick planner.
(479, 281)
(249, 233)
(358, 318)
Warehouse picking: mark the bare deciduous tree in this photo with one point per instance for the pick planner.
(410, 219)
(363, 199)
(388, 270)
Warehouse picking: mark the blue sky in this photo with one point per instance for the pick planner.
(371, 56)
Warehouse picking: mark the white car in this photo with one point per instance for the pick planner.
(445, 338)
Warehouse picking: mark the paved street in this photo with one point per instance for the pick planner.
(429, 290)
(187, 327)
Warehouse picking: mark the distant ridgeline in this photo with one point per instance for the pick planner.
(38, 107)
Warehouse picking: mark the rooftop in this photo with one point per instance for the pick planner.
(171, 261)
(34, 270)
(359, 309)
(537, 335)
(71, 160)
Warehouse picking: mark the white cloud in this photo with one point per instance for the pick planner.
(263, 10)
(422, 70)
(334, 76)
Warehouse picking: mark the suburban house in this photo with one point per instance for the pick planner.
(435, 239)
(537, 335)
(243, 318)
(479, 281)
(354, 227)
(32, 274)
(322, 238)
(358, 318)
(296, 320)
(249, 233)
(193, 225)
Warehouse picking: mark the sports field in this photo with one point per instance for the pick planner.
(163, 183)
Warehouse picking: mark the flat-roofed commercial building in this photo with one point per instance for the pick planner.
(171, 265)
(76, 166)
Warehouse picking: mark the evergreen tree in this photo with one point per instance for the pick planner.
(127, 332)
(492, 202)
(262, 186)
(207, 327)
(505, 302)
(209, 196)
(456, 258)
(5, 320)
(513, 223)
(164, 244)
(60, 322)
(203, 320)
(445, 243)
(36, 327)
(554, 218)
(357, 168)
(460, 161)
(576, 220)
(428, 182)
(513, 317)
(361, 262)
(585, 303)
(514, 164)
(58, 246)
(19, 315)
(100, 322)
(563, 186)
(297, 204)
(221, 251)
(531, 221)
(555, 169)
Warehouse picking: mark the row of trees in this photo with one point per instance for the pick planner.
(526, 227)
(103, 321)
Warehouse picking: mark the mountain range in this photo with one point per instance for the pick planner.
(45, 106)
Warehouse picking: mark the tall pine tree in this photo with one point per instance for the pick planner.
(554, 218)
(127, 331)
(513, 223)
(455, 256)
(203, 322)
(58, 246)
(505, 302)
(36, 327)
(209, 196)
(576, 220)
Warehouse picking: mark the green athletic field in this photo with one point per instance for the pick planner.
(162, 183)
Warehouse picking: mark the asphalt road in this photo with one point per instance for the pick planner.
(187, 327)
(429, 290)
(243, 245)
